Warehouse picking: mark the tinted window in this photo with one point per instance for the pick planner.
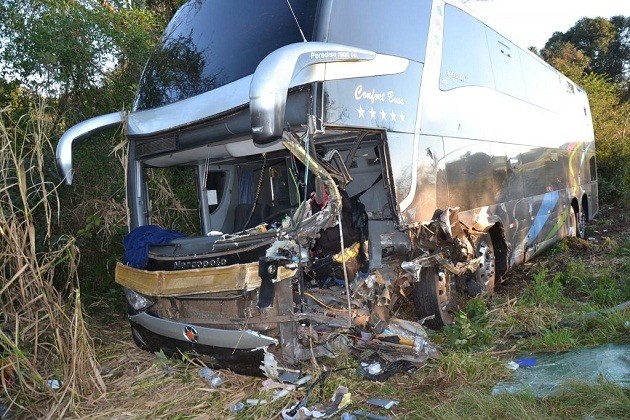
(541, 82)
(465, 57)
(211, 43)
(387, 27)
(215, 186)
(506, 65)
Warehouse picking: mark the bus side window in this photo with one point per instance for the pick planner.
(215, 185)
(593, 168)
(506, 66)
(465, 57)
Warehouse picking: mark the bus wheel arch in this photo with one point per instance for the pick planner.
(585, 210)
(497, 234)
(579, 217)
(492, 247)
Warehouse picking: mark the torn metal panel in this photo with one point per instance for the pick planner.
(310, 225)
(445, 242)
(243, 277)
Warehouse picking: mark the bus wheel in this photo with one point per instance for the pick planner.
(482, 280)
(433, 296)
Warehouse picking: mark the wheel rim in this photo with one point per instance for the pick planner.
(486, 270)
(443, 289)
(581, 224)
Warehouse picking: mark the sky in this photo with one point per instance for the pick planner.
(532, 22)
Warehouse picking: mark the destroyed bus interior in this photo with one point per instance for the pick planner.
(347, 184)
(293, 237)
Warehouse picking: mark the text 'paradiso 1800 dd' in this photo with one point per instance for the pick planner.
(345, 156)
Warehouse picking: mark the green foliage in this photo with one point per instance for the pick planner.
(470, 328)
(67, 48)
(611, 119)
(554, 339)
(87, 57)
(172, 190)
(595, 53)
(544, 290)
(469, 368)
(603, 44)
(603, 400)
(611, 327)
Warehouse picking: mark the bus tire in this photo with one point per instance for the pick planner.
(580, 217)
(433, 297)
(483, 279)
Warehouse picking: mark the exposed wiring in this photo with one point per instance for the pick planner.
(260, 182)
(304, 138)
(322, 303)
(345, 270)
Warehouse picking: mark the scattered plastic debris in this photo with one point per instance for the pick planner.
(302, 381)
(512, 365)
(388, 370)
(237, 407)
(400, 345)
(211, 377)
(383, 402)
(550, 372)
(373, 368)
(340, 399)
(365, 415)
(281, 393)
(289, 377)
(270, 365)
(519, 335)
(526, 361)
(54, 384)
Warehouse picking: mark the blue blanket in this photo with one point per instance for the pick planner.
(138, 241)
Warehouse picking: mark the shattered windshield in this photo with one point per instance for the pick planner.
(211, 43)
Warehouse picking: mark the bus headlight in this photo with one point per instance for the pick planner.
(138, 301)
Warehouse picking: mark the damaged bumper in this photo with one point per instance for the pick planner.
(215, 337)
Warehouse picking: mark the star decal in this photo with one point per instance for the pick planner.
(383, 114)
(361, 111)
(393, 115)
(402, 117)
(372, 114)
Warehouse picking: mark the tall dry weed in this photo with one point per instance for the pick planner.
(47, 358)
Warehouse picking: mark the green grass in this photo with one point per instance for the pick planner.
(601, 401)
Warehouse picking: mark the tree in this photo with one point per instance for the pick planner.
(605, 42)
(87, 55)
(595, 53)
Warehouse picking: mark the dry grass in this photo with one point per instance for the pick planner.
(168, 208)
(142, 385)
(44, 336)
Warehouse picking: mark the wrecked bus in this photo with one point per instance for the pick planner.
(347, 156)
